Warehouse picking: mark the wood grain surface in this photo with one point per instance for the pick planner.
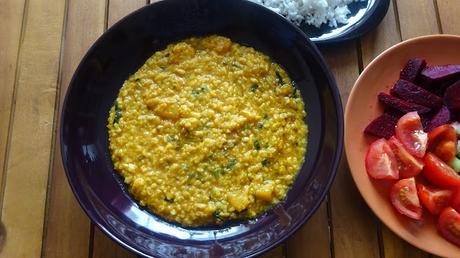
(41, 44)
(85, 21)
(27, 165)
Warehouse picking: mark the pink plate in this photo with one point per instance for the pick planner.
(363, 107)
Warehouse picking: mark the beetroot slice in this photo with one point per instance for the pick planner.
(425, 121)
(394, 112)
(401, 105)
(415, 94)
(382, 126)
(452, 98)
(437, 74)
(441, 118)
(412, 69)
(440, 88)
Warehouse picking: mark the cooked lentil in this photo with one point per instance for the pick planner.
(208, 130)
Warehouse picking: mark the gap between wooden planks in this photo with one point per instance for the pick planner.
(67, 228)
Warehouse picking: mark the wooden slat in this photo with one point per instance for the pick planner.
(32, 126)
(350, 215)
(11, 12)
(395, 247)
(449, 11)
(312, 240)
(390, 32)
(416, 18)
(278, 252)
(120, 8)
(102, 245)
(378, 40)
(67, 227)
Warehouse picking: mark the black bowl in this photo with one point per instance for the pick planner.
(120, 52)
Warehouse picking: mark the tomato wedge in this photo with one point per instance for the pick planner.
(404, 198)
(456, 200)
(449, 225)
(439, 173)
(408, 166)
(409, 131)
(442, 142)
(435, 200)
(380, 161)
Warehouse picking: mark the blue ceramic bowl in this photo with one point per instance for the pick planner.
(120, 52)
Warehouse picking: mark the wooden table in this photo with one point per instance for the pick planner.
(41, 43)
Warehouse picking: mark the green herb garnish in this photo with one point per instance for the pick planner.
(280, 79)
(216, 215)
(200, 90)
(265, 162)
(231, 164)
(217, 172)
(295, 93)
(117, 113)
(256, 144)
(171, 138)
(170, 200)
(254, 87)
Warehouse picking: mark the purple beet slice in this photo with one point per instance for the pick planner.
(394, 112)
(382, 126)
(432, 75)
(412, 69)
(415, 94)
(452, 98)
(441, 118)
(425, 121)
(401, 105)
(440, 88)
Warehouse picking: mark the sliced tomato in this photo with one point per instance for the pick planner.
(380, 161)
(404, 198)
(435, 200)
(409, 131)
(439, 173)
(408, 166)
(442, 142)
(456, 200)
(449, 225)
(442, 133)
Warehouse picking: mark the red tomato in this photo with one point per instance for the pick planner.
(442, 133)
(449, 225)
(380, 161)
(442, 142)
(409, 131)
(439, 173)
(404, 198)
(456, 200)
(435, 200)
(408, 165)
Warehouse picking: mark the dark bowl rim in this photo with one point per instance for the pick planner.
(317, 56)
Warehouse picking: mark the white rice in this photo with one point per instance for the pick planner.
(313, 12)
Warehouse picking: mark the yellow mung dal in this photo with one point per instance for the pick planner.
(208, 130)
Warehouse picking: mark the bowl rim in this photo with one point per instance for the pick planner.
(348, 149)
(338, 109)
